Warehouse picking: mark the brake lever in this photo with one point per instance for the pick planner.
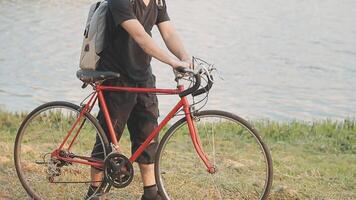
(207, 71)
(84, 85)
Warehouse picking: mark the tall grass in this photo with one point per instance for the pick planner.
(322, 136)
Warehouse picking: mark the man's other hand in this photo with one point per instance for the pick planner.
(177, 63)
(189, 60)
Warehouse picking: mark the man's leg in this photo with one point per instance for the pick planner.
(147, 174)
(150, 191)
(96, 177)
(96, 174)
(119, 105)
(142, 121)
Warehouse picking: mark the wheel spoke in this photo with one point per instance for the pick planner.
(242, 161)
(47, 177)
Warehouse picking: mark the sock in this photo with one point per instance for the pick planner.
(91, 191)
(150, 192)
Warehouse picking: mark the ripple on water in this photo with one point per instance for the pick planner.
(300, 66)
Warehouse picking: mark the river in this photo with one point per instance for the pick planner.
(281, 59)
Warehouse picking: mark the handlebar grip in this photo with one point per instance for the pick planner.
(205, 89)
(181, 69)
(192, 89)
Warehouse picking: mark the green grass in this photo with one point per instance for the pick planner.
(311, 160)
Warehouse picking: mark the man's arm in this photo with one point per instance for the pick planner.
(138, 33)
(172, 41)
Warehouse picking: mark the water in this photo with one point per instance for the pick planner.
(281, 59)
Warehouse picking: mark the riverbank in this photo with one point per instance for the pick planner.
(312, 160)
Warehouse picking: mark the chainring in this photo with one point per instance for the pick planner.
(118, 170)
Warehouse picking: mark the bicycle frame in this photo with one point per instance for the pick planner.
(98, 95)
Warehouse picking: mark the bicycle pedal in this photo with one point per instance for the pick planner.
(99, 197)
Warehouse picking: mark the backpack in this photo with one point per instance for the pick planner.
(93, 43)
(94, 34)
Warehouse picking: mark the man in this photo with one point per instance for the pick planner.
(129, 49)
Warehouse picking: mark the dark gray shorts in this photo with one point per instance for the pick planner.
(138, 110)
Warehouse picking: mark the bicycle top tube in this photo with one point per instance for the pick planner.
(139, 90)
(95, 78)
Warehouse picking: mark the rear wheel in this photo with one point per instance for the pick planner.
(242, 160)
(42, 132)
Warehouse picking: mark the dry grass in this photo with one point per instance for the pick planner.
(311, 160)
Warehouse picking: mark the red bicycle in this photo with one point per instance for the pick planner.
(205, 155)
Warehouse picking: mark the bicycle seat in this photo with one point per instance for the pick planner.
(92, 76)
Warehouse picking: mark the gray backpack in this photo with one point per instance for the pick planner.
(94, 34)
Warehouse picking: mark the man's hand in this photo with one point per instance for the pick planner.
(189, 60)
(177, 63)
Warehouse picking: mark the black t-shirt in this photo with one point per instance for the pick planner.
(122, 54)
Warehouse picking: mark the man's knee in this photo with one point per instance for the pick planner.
(148, 155)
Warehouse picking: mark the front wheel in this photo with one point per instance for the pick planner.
(242, 160)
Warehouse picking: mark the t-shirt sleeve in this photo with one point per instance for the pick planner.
(121, 11)
(162, 13)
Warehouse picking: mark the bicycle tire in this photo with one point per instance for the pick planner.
(28, 126)
(174, 148)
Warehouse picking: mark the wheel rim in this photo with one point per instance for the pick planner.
(241, 161)
(43, 133)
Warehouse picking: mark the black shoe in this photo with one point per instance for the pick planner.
(158, 197)
(97, 197)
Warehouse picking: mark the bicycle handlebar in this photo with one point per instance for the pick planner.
(183, 70)
(195, 91)
(205, 89)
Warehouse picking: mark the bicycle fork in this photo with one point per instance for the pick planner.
(195, 137)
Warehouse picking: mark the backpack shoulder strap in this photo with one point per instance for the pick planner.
(160, 4)
(97, 5)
